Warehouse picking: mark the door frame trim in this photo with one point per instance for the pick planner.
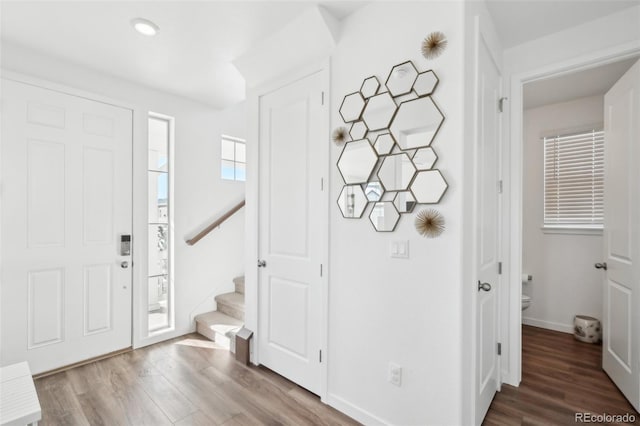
(513, 162)
(252, 248)
(138, 192)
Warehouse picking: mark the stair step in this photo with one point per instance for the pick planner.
(231, 304)
(219, 327)
(239, 283)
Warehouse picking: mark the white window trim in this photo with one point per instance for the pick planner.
(234, 139)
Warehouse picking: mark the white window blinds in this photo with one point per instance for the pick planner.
(574, 180)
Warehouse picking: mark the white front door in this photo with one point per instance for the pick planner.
(487, 231)
(621, 316)
(66, 199)
(292, 238)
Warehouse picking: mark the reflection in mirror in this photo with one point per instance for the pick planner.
(379, 111)
(428, 187)
(373, 191)
(370, 87)
(404, 201)
(384, 144)
(351, 107)
(401, 79)
(358, 130)
(384, 216)
(416, 123)
(352, 201)
(396, 172)
(424, 158)
(425, 83)
(357, 161)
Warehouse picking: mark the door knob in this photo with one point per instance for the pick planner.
(262, 263)
(602, 265)
(124, 264)
(484, 286)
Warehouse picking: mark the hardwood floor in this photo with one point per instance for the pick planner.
(560, 377)
(184, 381)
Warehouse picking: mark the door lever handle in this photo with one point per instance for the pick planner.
(602, 265)
(124, 264)
(262, 263)
(484, 286)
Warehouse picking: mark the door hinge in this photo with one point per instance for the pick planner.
(320, 355)
(322, 97)
(321, 269)
(501, 104)
(500, 187)
(321, 184)
(499, 348)
(499, 268)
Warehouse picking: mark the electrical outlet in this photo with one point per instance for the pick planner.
(395, 374)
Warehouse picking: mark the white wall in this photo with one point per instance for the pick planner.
(565, 283)
(207, 268)
(381, 309)
(593, 42)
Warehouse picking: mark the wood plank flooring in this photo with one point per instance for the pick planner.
(184, 381)
(560, 377)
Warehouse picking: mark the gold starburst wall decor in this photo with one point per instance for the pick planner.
(340, 135)
(433, 45)
(429, 223)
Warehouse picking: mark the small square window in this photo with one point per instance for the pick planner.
(233, 161)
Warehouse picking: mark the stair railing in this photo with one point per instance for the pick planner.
(200, 235)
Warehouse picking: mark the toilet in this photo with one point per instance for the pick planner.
(526, 301)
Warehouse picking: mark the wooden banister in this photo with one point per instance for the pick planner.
(216, 223)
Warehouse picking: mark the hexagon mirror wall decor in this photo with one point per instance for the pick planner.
(429, 186)
(404, 202)
(379, 111)
(358, 130)
(384, 217)
(424, 158)
(425, 83)
(416, 123)
(351, 107)
(352, 201)
(401, 78)
(373, 191)
(396, 172)
(369, 87)
(384, 144)
(357, 161)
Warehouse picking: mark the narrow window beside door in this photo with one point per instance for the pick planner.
(160, 282)
(233, 164)
(574, 180)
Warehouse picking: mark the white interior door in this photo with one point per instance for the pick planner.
(292, 231)
(621, 319)
(487, 216)
(66, 199)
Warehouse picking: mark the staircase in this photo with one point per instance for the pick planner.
(222, 325)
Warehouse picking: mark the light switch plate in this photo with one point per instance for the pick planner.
(399, 249)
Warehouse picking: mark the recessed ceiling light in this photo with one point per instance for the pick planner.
(144, 26)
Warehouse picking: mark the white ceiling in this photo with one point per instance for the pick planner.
(190, 56)
(590, 82)
(518, 21)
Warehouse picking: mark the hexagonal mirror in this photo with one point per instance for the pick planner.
(428, 187)
(424, 158)
(384, 216)
(351, 108)
(352, 201)
(425, 83)
(396, 172)
(358, 130)
(373, 191)
(416, 123)
(384, 144)
(404, 201)
(401, 78)
(369, 87)
(357, 161)
(379, 111)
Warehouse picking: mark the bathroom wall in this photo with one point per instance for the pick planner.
(565, 283)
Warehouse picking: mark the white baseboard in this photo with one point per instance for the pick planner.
(353, 411)
(555, 326)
